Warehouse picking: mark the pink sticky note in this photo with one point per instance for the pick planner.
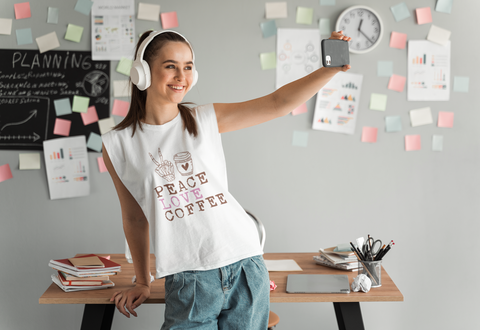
(62, 127)
(369, 134)
(300, 109)
(101, 165)
(424, 15)
(5, 172)
(22, 10)
(120, 108)
(412, 142)
(398, 40)
(445, 119)
(397, 83)
(90, 116)
(169, 20)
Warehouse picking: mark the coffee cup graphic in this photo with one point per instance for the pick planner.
(184, 163)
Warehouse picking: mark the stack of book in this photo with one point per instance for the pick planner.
(339, 260)
(88, 272)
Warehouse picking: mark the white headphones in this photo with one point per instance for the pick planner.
(140, 71)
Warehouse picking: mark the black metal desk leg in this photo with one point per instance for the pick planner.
(349, 316)
(97, 317)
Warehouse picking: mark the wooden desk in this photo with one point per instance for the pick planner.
(98, 314)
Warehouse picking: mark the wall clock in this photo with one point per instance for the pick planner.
(363, 25)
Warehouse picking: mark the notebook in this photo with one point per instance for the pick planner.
(315, 283)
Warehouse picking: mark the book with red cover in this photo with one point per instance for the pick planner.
(85, 282)
(66, 266)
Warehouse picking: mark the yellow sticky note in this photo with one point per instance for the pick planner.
(268, 60)
(304, 15)
(29, 161)
(80, 103)
(378, 102)
(74, 33)
(124, 66)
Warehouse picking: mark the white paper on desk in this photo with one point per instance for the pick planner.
(282, 265)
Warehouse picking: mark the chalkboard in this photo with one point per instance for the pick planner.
(30, 82)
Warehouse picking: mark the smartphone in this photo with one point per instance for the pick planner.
(335, 53)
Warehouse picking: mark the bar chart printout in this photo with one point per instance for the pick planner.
(66, 161)
(428, 71)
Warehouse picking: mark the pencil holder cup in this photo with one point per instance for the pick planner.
(373, 269)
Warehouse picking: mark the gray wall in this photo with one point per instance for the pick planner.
(333, 191)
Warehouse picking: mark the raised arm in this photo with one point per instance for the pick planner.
(235, 116)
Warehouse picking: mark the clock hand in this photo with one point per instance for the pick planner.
(365, 36)
(359, 26)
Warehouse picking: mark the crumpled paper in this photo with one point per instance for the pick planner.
(361, 283)
(273, 286)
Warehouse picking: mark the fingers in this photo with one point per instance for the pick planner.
(120, 300)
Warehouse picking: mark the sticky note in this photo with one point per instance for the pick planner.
(22, 10)
(120, 108)
(445, 119)
(369, 134)
(300, 139)
(327, 2)
(80, 103)
(384, 68)
(169, 20)
(422, 116)
(101, 165)
(378, 102)
(301, 109)
(324, 26)
(268, 60)
(424, 15)
(121, 88)
(124, 66)
(62, 127)
(437, 143)
(304, 15)
(438, 35)
(400, 11)
(24, 36)
(62, 106)
(47, 42)
(412, 142)
(90, 116)
(5, 26)
(5, 172)
(460, 84)
(148, 12)
(84, 6)
(275, 10)
(269, 28)
(444, 6)
(398, 40)
(52, 16)
(74, 33)
(94, 142)
(106, 125)
(393, 124)
(29, 161)
(397, 83)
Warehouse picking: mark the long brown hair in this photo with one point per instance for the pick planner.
(136, 112)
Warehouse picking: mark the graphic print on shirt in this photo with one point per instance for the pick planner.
(184, 163)
(164, 168)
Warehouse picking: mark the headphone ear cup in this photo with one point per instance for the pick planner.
(140, 75)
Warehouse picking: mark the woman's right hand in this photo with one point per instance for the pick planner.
(128, 300)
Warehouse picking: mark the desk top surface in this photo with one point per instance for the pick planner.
(387, 292)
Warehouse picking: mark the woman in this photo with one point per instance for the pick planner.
(167, 165)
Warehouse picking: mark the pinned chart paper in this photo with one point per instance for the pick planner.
(424, 15)
(304, 15)
(29, 161)
(301, 109)
(94, 142)
(5, 172)
(66, 162)
(169, 20)
(400, 11)
(101, 165)
(413, 142)
(437, 143)
(398, 40)
(393, 124)
(460, 84)
(444, 6)
(275, 10)
(369, 134)
(337, 104)
(438, 35)
(428, 71)
(268, 60)
(62, 127)
(396, 83)
(120, 108)
(148, 12)
(22, 10)
(269, 28)
(378, 102)
(62, 106)
(52, 16)
(80, 103)
(445, 119)
(47, 42)
(300, 139)
(90, 116)
(5, 26)
(106, 125)
(84, 6)
(74, 33)
(121, 88)
(124, 66)
(422, 116)
(324, 26)
(384, 68)
(298, 54)
(24, 36)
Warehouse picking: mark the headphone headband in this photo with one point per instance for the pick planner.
(151, 36)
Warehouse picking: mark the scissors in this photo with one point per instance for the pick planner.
(370, 247)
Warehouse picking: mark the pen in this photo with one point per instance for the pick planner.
(387, 249)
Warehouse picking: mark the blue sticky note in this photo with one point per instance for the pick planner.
(400, 11)
(52, 17)
(300, 139)
(62, 107)
(437, 143)
(24, 36)
(84, 6)
(269, 28)
(393, 124)
(327, 2)
(384, 68)
(324, 26)
(94, 142)
(460, 84)
(444, 6)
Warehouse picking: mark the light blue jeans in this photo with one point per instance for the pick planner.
(236, 296)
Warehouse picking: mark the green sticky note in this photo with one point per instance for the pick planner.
(324, 26)
(74, 33)
(268, 60)
(460, 84)
(300, 139)
(393, 124)
(80, 103)
(94, 142)
(62, 106)
(444, 6)
(384, 68)
(269, 28)
(124, 66)
(52, 16)
(84, 6)
(378, 102)
(304, 15)
(400, 11)
(24, 36)
(437, 143)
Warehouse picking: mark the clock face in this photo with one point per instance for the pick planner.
(363, 25)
